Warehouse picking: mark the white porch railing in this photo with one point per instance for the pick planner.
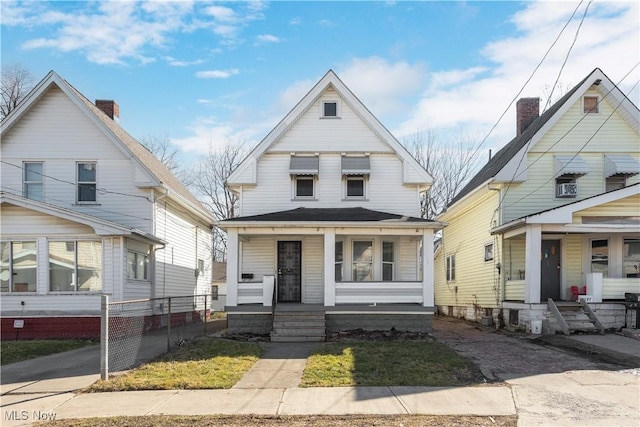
(257, 292)
(379, 292)
(514, 290)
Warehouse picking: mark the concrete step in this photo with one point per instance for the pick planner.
(298, 331)
(296, 338)
(298, 324)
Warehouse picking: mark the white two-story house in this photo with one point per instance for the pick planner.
(86, 210)
(329, 222)
(552, 218)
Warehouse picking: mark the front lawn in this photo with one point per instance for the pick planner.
(388, 363)
(202, 364)
(17, 351)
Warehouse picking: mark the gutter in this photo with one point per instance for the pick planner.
(508, 226)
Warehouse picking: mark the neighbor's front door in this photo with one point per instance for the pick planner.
(550, 270)
(289, 271)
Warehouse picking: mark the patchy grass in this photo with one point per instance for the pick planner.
(405, 363)
(292, 421)
(17, 351)
(202, 364)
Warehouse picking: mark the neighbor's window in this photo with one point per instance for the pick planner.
(590, 104)
(75, 266)
(488, 252)
(214, 292)
(330, 109)
(600, 257)
(137, 265)
(200, 266)
(18, 267)
(356, 186)
(615, 182)
(304, 186)
(339, 261)
(388, 258)
(631, 257)
(362, 261)
(451, 268)
(33, 180)
(87, 182)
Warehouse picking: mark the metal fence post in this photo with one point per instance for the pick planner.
(169, 326)
(205, 315)
(104, 337)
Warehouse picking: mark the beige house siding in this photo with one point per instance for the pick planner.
(476, 282)
(629, 206)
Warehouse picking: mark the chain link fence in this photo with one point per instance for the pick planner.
(133, 332)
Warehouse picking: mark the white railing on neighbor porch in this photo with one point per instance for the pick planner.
(379, 292)
(257, 292)
(514, 290)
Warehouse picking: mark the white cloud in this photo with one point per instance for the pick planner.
(178, 63)
(211, 134)
(268, 38)
(217, 74)
(476, 97)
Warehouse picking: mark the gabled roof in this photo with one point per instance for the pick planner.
(316, 216)
(413, 173)
(158, 173)
(542, 124)
(101, 227)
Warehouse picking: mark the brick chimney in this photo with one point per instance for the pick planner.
(527, 110)
(109, 107)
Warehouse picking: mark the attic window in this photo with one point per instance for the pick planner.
(590, 104)
(330, 109)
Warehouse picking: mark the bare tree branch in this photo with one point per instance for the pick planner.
(16, 83)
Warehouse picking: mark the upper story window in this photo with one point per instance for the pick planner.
(75, 266)
(615, 182)
(330, 109)
(617, 168)
(19, 266)
(355, 171)
(590, 104)
(488, 251)
(304, 173)
(87, 181)
(33, 180)
(567, 170)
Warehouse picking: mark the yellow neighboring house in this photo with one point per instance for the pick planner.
(552, 218)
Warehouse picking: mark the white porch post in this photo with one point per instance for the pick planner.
(594, 286)
(427, 269)
(232, 267)
(329, 267)
(532, 267)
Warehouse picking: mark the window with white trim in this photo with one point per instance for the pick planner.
(329, 109)
(137, 263)
(451, 268)
(362, 261)
(75, 266)
(356, 187)
(388, 261)
(304, 186)
(488, 251)
(600, 256)
(631, 257)
(339, 262)
(33, 180)
(87, 181)
(590, 105)
(18, 268)
(615, 182)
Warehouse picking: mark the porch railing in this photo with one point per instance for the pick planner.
(257, 292)
(615, 288)
(379, 292)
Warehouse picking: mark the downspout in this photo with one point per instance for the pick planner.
(499, 268)
(155, 250)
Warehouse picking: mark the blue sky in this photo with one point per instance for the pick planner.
(206, 73)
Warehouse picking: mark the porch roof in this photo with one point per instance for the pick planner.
(314, 216)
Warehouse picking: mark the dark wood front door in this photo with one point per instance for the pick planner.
(289, 271)
(550, 270)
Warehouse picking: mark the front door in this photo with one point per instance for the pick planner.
(550, 270)
(289, 271)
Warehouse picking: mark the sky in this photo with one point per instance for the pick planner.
(204, 74)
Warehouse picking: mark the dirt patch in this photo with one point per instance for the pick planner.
(392, 335)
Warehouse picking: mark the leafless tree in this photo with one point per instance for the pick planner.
(17, 81)
(209, 183)
(451, 163)
(168, 154)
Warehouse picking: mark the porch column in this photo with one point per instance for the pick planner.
(232, 267)
(329, 267)
(427, 268)
(533, 249)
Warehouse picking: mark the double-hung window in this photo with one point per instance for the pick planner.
(339, 274)
(451, 268)
(18, 266)
(600, 257)
(33, 180)
(355, 172)
(87, 181)
(387, 261)
(75, 266)
(631, 257)
(304, 186)
(362, 260)
(137, 265)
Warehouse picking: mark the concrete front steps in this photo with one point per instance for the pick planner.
(292, 326)
(570, 317)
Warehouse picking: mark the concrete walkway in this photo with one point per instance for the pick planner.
(573, 397)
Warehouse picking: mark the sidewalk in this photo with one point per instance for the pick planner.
(572, 397)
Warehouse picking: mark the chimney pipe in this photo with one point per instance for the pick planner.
(109, 107)
(527, 110)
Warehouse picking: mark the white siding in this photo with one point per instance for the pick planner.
(385, 191)
(313, 262)
(408, 259)
(45, 134)
(258, 256)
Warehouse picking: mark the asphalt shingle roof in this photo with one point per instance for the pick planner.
(329, 214)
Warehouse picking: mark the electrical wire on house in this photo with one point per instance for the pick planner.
(64, 203)
(101, 190)
(508, 108)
